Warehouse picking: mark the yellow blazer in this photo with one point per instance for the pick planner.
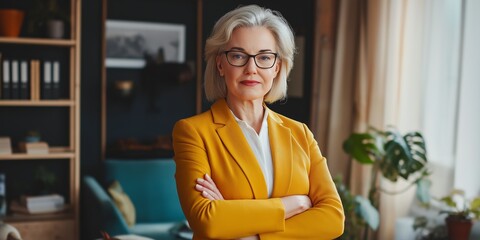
(213, 143)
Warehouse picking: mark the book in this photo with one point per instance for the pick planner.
(6, 79)
(5, 145)
(24, 85)
(29, 199)
(43, 203)
(40, 203)
(17, 207)
(33, 147)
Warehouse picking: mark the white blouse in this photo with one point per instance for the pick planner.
(260, 144)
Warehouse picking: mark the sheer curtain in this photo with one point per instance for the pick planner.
(400, 63)
(467, 157)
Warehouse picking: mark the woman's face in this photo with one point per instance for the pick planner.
(249, 82)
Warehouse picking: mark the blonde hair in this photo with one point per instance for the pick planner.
(249, 16)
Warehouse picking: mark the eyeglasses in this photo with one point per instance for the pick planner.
(240, 59)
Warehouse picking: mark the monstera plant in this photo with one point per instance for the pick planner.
(392, 156)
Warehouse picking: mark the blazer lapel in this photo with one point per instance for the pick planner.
(281, 147)
(236, 144)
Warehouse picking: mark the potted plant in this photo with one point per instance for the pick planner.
(359, 212)
(11, 17)
(460, 213)
(44, 181)
(392, 156)
(47, 18)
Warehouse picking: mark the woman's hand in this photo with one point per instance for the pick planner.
(209, 190)
(295, 204)
(207, 187)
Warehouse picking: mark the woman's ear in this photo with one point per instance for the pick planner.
(219, 65)
(277, 67)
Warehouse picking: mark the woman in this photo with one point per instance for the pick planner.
(244, 171)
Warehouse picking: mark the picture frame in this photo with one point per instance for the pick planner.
(129, 43)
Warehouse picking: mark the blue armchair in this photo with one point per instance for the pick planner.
(150, 184)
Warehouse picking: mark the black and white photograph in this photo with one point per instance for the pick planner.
(129, 43)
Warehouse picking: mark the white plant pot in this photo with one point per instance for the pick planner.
(55, 29)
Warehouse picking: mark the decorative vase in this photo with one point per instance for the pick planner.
(458, 228)
(55, 28)
(11, 21)
(8, 232)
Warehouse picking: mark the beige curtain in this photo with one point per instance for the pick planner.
(362, 83)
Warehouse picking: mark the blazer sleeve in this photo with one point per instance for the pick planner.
(218, 219)
(325, 220)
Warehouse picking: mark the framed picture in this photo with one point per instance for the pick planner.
(129, 43)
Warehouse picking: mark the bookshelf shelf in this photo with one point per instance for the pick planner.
(39, 217)
(54, 153)
(39, 41)
(25, 156)
(36, 103)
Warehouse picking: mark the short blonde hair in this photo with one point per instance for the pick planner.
(249, 16)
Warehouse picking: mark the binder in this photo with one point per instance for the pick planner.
(6, 80)
(24, 89)
(15, 83)
(56, 80)
(47, 80)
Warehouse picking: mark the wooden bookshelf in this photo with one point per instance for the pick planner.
(65, 225)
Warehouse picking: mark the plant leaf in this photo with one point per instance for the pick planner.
(420, 222)
(476, 213)
(475, 204)
(449, 201)
(404, 155)
(361, 146)
(423, 190)
(368, 212)
(457, 192)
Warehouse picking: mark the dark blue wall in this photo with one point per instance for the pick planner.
(151, 112)
(134, 119)
(90, 122)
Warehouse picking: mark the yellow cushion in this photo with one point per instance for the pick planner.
(123, 202)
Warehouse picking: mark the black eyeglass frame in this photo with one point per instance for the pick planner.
(251, 56)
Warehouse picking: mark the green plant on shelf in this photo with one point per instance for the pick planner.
(45, 180)
(459, 210)
(391, 156)
(458, 206)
